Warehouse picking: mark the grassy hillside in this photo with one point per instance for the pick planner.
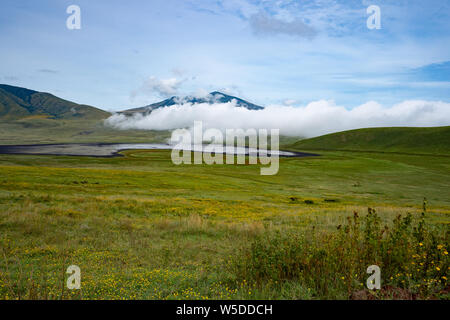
(435, 140)
(17, 103)
(32, 117)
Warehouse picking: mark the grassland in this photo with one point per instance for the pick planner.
(431, 140)
(140, 227)
(40, 130)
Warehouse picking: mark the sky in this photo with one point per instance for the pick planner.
(295, 53)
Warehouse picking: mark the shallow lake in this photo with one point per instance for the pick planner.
(113, 149)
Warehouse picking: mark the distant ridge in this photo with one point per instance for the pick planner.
(429, 140)
(17, 103)
(212, 97)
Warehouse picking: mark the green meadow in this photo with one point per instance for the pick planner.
(140, 227)
(41, 130)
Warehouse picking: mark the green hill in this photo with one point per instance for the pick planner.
(18, 103)
(434, 140)
(32, 117)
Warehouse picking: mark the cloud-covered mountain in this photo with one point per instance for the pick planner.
(212, 98)
(316, 118)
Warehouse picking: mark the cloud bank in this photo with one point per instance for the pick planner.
(316, 118)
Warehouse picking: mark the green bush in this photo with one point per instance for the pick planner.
(333, 264)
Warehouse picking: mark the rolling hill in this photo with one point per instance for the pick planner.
(32, 117)
(17, 103)
(212, 97)
(434, 140)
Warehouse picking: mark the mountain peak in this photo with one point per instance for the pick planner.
(22, 93)
(212, 98)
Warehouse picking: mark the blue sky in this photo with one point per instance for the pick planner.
(132, 53)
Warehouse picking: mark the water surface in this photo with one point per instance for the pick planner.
(113, 149)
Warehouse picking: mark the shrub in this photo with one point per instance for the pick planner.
(334, 264)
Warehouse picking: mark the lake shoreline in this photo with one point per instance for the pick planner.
(110, 150)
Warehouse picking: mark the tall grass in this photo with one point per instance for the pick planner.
(412, 255)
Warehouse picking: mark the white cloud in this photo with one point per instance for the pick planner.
(164, 87)
(160, 87)
(316, 118)
(289, 102)
(265, 25)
